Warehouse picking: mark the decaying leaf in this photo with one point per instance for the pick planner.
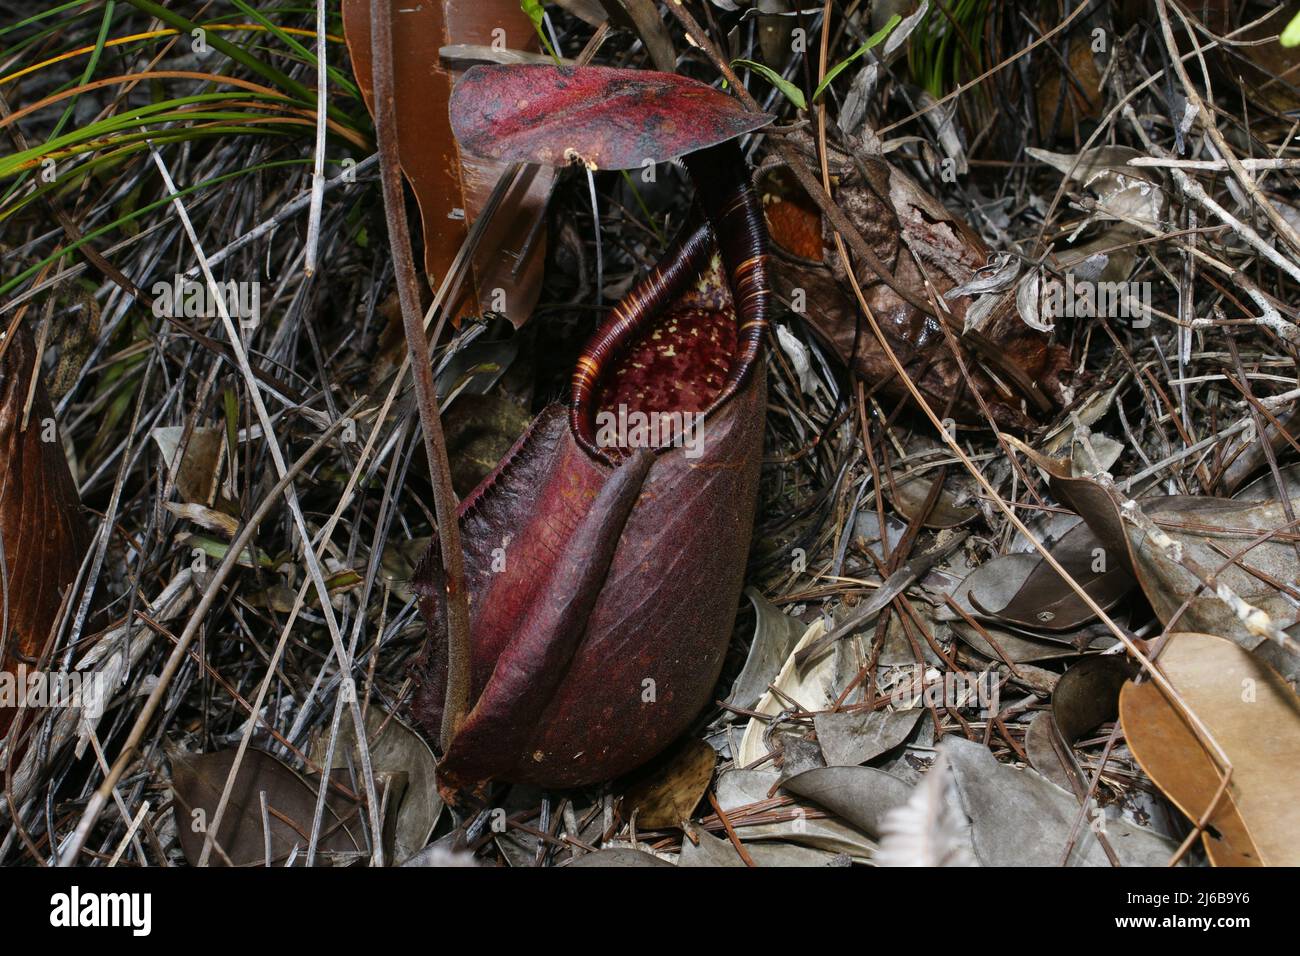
(1229, 538)
(197, 782)
(480, 430)
(196, 469)
(395, 749)
(991, 585)
(908, 487)
(209, 518)
(813, 688)
(619, 856)
(1088, 694)
(1123, 192)
(452, 188)
(1210, 531)
(775, 635)
(1263, 67)
(849, 739)
(1015, 368)
(1062, 103)
(709, 850)
(43, 533)
(862, 796)
(738, 790)
(1253, 716)
(670, 789)
(1042, 740)
(1265, 486)
(1020, 648)
(1018, 818)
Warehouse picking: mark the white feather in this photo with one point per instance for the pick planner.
(930, 829)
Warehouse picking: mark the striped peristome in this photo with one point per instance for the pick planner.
(725, 218)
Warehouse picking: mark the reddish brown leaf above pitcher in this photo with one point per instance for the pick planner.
(600, 116)
(452, 188)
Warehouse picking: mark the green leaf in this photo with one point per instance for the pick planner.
(872, 41)
(1291, 35)
(791, 92)
(535, 13)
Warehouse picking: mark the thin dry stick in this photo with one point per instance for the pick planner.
(731, 830)
(456, 702)
(310, 558)
(318, 167)
(1271, 319)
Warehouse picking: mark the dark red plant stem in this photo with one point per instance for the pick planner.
(444, 498)
(795, 163)
(726, 217)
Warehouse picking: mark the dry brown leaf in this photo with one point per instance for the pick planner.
(43, 533)
(452, 188)
(395, 749)
(926, 247)
(1082, 98)
(195, 469)
(1254, 716)
(1087, 693)
(197, 782)
(1226, 538)
(670, 790)
(1045, 602)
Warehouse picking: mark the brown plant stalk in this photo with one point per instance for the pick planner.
(435, 447)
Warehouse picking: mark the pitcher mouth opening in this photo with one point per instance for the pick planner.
(663, 359)
(690, 334)
(655, 392)
(653, 384)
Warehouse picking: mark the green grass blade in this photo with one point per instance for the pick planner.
(788, 89)
(873, 40)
